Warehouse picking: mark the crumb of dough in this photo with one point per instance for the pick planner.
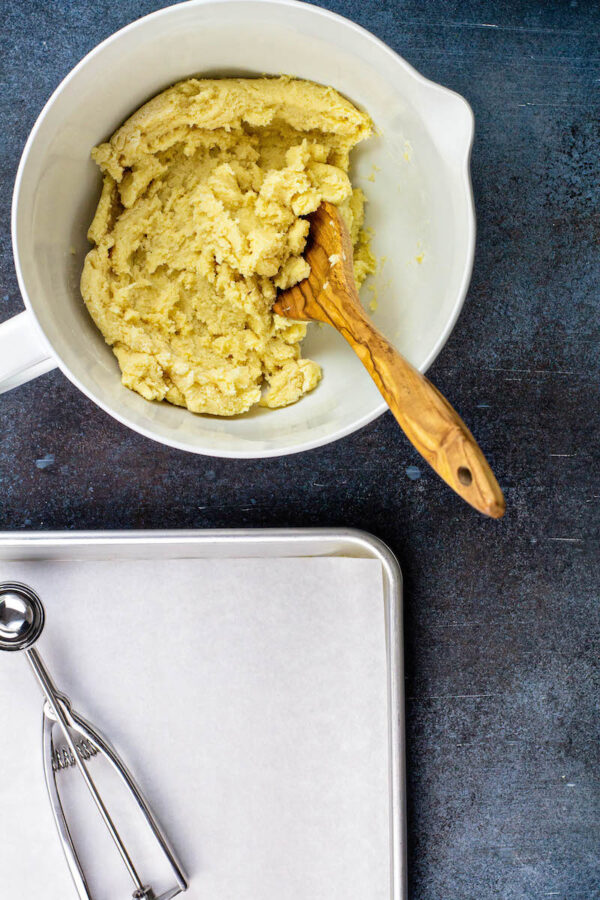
(201, 221)
(373, 287)
(373, 175)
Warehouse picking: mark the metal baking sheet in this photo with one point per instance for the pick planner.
(271, 543)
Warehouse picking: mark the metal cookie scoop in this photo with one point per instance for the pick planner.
(21, 623)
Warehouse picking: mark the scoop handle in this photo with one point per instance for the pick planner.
(430, 423)
(59, 710)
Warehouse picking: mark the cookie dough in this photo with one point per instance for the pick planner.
(199, 223)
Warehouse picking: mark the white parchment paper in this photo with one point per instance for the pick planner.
(249, 698)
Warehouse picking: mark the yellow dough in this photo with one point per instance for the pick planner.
(200, 222)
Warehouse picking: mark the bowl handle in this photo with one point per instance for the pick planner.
(23, 353)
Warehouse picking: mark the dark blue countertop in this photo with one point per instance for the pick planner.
(502, 619)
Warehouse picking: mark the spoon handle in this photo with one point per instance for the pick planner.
(425, 416)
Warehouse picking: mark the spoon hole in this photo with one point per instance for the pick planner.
(464, 476)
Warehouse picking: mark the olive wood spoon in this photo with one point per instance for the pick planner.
(329, 295)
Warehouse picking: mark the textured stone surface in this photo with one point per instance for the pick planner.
(502, 620)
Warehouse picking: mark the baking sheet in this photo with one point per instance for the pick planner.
(250, 699)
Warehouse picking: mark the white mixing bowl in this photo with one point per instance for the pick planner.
(415, 175)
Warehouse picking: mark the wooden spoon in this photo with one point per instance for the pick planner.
(329, 295)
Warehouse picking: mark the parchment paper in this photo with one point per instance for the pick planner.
(248, 698)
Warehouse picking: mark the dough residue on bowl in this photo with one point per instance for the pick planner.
(200, 222)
